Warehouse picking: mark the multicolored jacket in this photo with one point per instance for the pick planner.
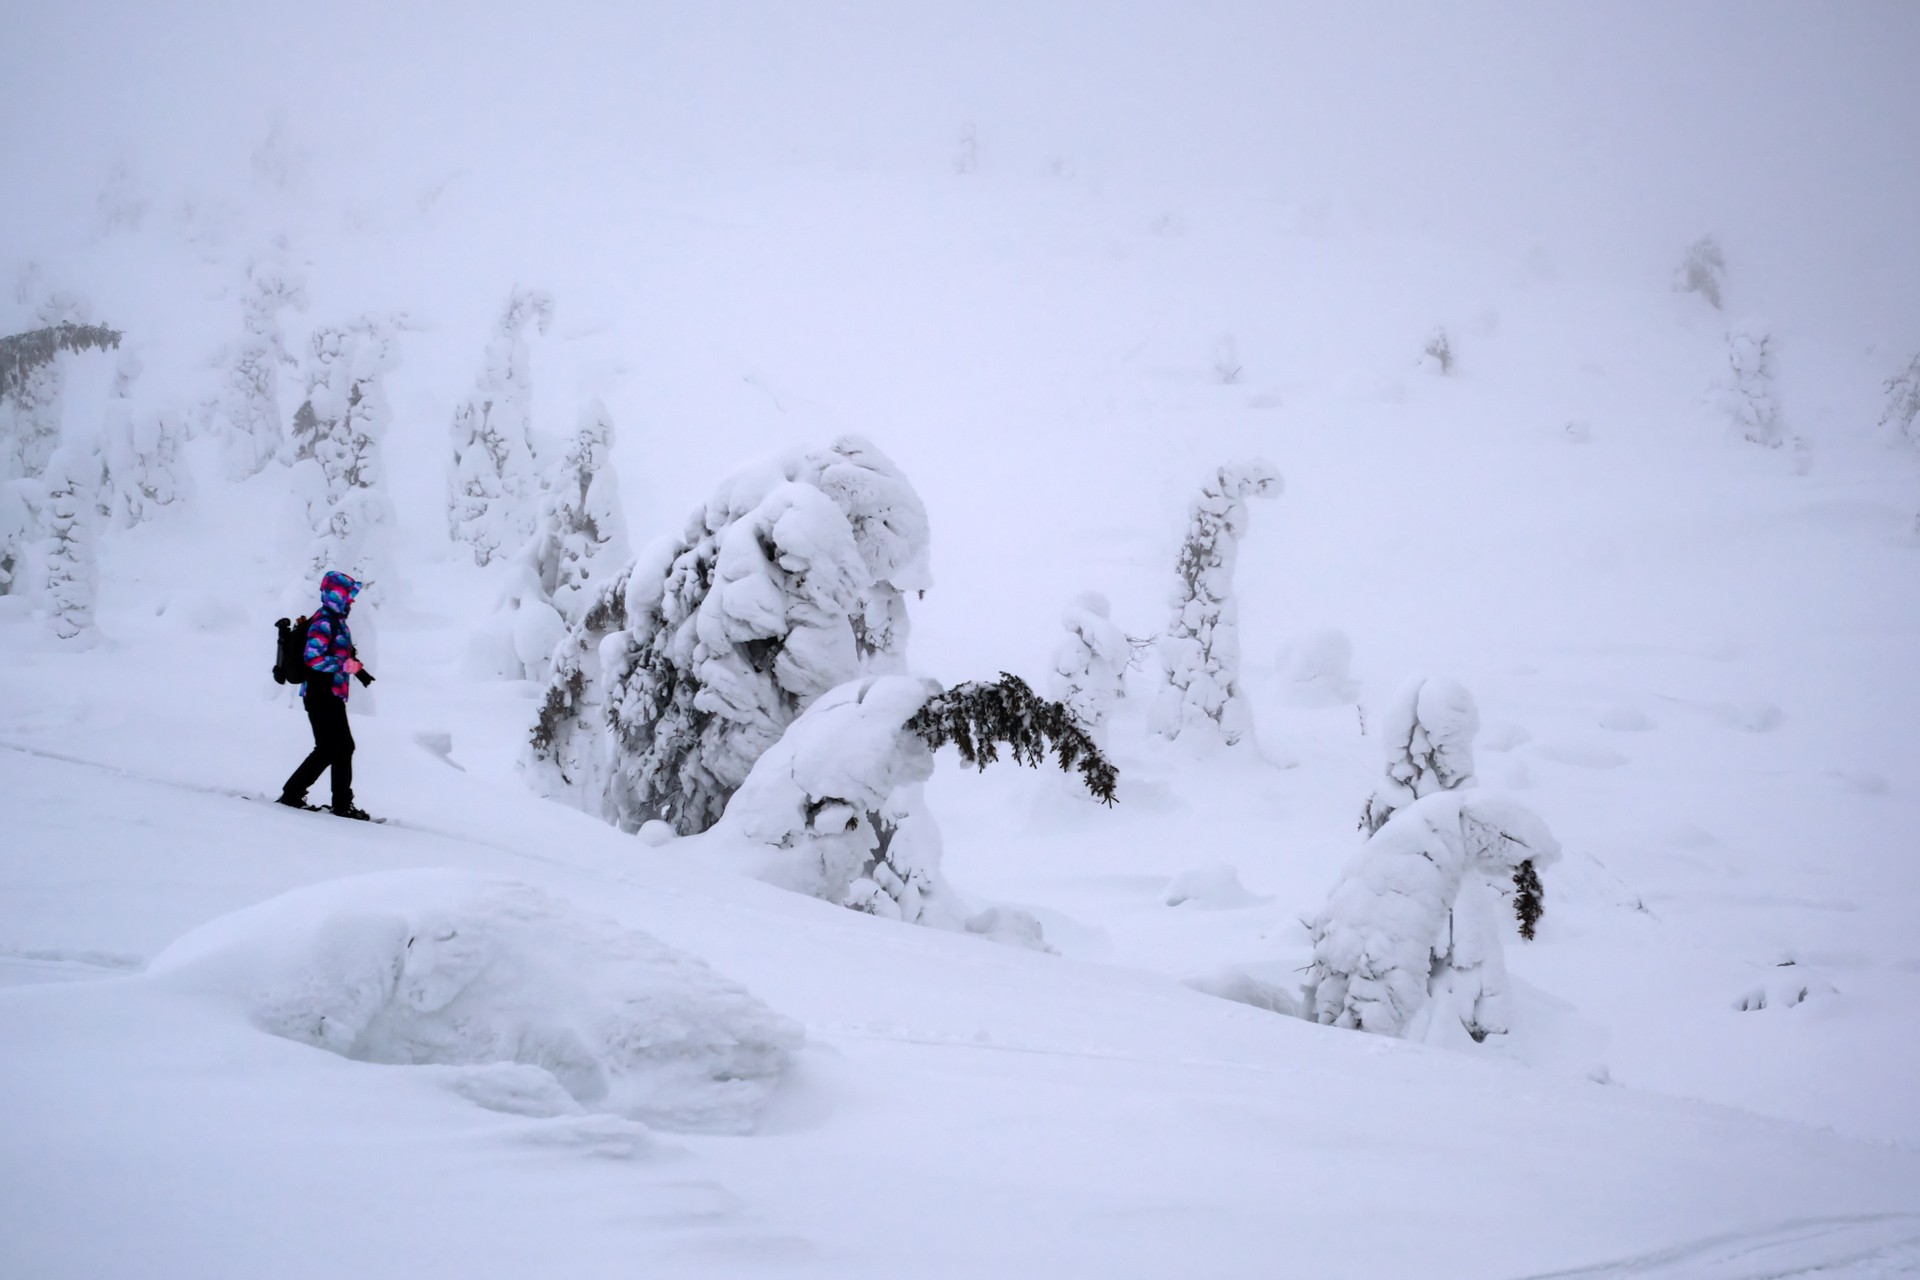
(329, 643)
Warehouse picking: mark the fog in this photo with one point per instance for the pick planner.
(1786, 130)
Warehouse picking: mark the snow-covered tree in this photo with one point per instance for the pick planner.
(1200, 651)
(255, 432)
(141, 451)
(338, 431)
(1427, 736)
(1439, 351)
(1090, 663)
(581, 538)
(571, 751)
(1747, 390)
(494, 482)
(1397, 930)
(789, 581)
(836, 802)
(17, 528)
(31, 381)
(1903, 401)
(73, 478)
(1702, 271)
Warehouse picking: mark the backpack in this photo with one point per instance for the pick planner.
(290, 654)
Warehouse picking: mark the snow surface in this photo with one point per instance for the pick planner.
(1183, 236)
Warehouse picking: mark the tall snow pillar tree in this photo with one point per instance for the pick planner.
(1200, 652)
(494, 482)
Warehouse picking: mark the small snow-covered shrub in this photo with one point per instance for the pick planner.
(1090, 663)
(1200, 650)
(494, 483)
(1427, 736)
(1439, 352)
(838, 796)
(470, 972)
(1702, 271)
(789, 582)
(1747, 390)
(1399, 929)
(1903, 401)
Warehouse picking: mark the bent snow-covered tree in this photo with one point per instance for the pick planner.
(790, 581)
(494, 481)
(1200, 652)
(1428, 740)
(1395, 933)
(834, 808)
(73, 478)
(1090, 663)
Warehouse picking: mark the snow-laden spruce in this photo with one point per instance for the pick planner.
(1200, 651)
(1410, 917)
(834, 808)
(1903, 402)
(1427, 737)
(580, 539)
(1703, 271)
(16, 536)
(579, 544)
(792, 579)
(494, 482)
(516, 999)
(249, 406)
(141, 449)
(336, 439)
(1746, 390)
(1090, 663)
(73, 479)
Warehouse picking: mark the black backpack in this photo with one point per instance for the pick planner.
(290, 654)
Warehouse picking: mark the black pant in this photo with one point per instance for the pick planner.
(332, 748)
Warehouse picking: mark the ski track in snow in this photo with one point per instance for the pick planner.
(1867, 1247)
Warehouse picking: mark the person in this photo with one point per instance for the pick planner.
(331, 664)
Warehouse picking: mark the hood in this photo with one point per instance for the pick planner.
(337, 591)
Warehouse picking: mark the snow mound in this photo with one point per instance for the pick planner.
(1314, 669)
(470, 971)
(1210, 888)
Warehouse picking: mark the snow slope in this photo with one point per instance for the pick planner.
(1184, 239)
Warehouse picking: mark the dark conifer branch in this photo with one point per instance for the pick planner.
(977, 717)
(22, 353)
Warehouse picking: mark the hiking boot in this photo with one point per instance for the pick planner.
(292, 801)
(348, 811)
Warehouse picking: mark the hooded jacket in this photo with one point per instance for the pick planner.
(329, 643)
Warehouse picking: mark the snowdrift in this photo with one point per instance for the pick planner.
(471, 971)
